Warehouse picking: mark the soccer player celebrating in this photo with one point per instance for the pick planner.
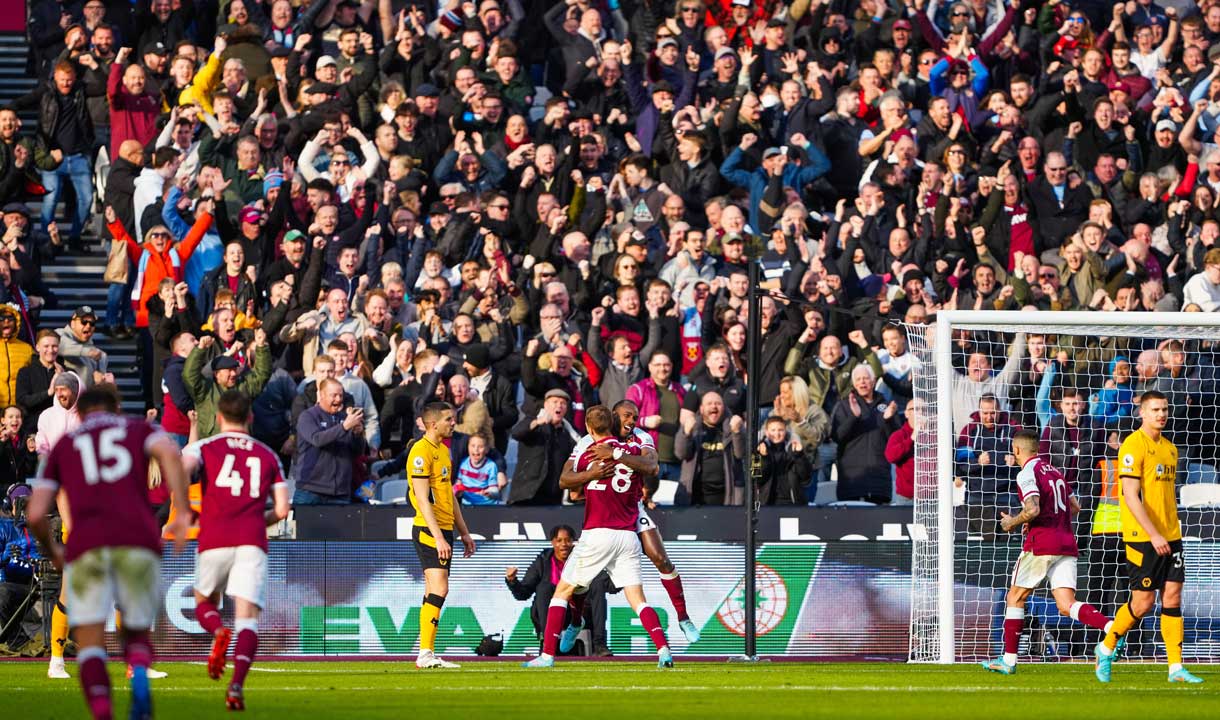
(1147, 469)
(627, 414)
(1049, 552)
(437, 512)
(113, 552)
(624, 427)
(239, 474)
(609, 541)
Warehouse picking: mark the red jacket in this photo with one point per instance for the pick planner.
(132, 117)
(152, 267)
(900, 452)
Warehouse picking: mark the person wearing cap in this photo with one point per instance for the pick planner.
(1203, 289)
(649, 102)
(775, 162)
(227, 374)
(545, 440)
(497, 392)
(78, 351)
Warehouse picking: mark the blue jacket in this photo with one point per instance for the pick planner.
(795, 176)
(326, 453)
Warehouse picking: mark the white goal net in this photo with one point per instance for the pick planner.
(1074, 378)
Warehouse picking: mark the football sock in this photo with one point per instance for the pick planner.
(247, 645)
(137, 645)
(555, 616)
(1014, 619)
(208, 616)
(1089, 615)
(577, 604)
(429, 616)
(95, 681)
(652, 623)
(673, 585)
(59, 630)
(1124, 620)
(1171, 632)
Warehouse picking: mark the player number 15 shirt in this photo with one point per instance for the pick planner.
(102, 466)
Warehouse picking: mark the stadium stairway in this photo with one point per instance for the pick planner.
(74, 278)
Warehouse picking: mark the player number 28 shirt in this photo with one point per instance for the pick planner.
(239, 473)
(612, 503)
(1051, 532)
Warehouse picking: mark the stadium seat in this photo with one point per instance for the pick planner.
(1201, 495)
(390, 492)
(827, 493)
(1201, 473)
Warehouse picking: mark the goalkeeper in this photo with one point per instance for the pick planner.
(1147, 470)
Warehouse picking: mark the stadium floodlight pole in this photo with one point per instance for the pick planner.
(753, 361)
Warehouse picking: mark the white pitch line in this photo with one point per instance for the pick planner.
(703, 688)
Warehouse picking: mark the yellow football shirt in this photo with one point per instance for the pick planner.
(1154, 465)
(432, 462)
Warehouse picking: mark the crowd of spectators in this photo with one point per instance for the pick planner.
(350, 208)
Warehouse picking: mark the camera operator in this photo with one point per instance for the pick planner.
(17, 562)
(542, 577)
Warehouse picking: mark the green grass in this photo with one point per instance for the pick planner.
(585, 690)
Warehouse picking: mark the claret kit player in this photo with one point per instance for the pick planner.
(1049, 552)
(608, 542)
(113, 555)
(239, 475)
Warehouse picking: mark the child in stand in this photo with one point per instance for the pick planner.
(479, 478)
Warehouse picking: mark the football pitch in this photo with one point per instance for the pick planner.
(588, 690)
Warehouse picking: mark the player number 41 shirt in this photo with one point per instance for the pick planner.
(238, 474)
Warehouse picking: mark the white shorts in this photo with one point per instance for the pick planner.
(643, 523)
(108, 577)
(239, 572)
(1058, 570)
(615, 551)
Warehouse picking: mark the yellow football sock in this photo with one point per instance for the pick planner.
(59, 631)
(429, 616)
(1172, 632)
(1123, 622)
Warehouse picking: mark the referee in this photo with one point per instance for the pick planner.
(1147, 470)
(430, 472)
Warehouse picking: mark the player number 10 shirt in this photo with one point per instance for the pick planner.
(1051, 532)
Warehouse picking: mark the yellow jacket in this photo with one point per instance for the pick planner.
(15, 354)
(203, 86)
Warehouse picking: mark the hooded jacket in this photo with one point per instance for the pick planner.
(14, 355)
(57, 421)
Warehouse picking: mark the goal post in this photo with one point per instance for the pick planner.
(961, 561)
